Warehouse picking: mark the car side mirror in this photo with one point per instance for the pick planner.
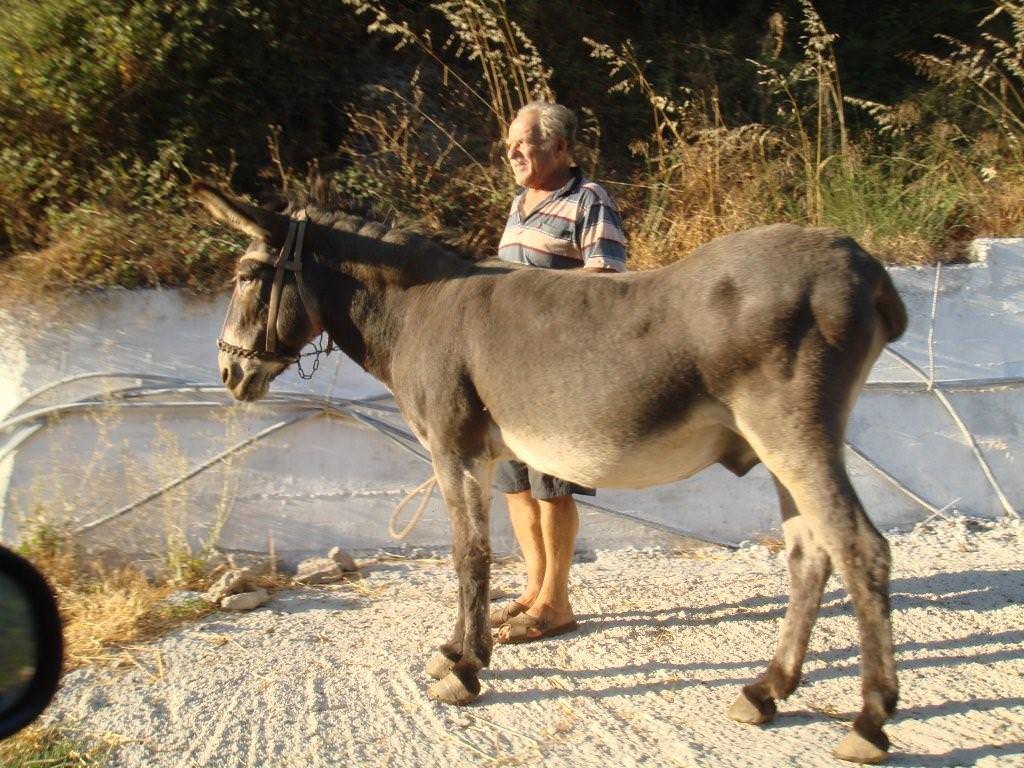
(31, 643)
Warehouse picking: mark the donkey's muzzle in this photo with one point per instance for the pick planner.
(230, 374)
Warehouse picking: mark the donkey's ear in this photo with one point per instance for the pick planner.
(257, 222)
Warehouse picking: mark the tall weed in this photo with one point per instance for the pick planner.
(985, 79)
(809, 104)
(431, 146)
(697, 173)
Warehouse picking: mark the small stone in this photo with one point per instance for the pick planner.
(245, 601)
(231, 583)
(318, 570)
(498, 593)
(343, 559)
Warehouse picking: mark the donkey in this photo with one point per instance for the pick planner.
(751, 350)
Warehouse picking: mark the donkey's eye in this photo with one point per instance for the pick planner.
(244, 278)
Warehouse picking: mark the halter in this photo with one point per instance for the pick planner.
(288, 259)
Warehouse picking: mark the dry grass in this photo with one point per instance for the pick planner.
(428, 147)
(691, 188)
(107, 611)
(716, 189)
(108, 606)
(999, 201)
(54, 747)
(913, 194)
(104, 607)
(110, 609)
(102, 247)
(773, 544)
(108, 600)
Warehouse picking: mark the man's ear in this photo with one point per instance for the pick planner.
(256, 222)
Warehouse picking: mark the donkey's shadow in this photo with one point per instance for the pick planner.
(969, 590)
(833, 669)
(944, 590)
(965, 756)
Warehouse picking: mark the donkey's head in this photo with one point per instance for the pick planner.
(272, 315)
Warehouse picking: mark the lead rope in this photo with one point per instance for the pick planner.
(427, 489)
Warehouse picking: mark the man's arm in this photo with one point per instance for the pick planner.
(601, 240)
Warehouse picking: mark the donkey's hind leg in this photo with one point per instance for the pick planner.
(861, 555)
(466, 490)
(809, 569)
(826, 500)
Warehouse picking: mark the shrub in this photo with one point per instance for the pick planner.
(108, 107)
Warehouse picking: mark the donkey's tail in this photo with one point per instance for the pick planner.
(890, 306)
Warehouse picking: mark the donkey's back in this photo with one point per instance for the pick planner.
(765, 281)
(632, 380)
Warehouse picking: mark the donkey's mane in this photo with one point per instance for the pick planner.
(326, 207)
(397, 249)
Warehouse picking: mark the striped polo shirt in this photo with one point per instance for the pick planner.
(577, 225)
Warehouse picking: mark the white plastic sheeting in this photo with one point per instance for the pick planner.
(332, 479)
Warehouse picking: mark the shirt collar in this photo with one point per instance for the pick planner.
(575, 179)
(574, 182)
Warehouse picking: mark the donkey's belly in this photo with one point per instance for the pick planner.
(594, 460)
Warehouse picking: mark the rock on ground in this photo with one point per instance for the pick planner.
(231, 582)
(245, 601)
(342, 558)
(334, 675)
(318, 570)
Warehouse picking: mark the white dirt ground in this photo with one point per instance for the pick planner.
(334, 675)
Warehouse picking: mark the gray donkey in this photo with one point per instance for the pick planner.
(752, 349)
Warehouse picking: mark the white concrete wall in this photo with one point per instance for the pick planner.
(332, 481)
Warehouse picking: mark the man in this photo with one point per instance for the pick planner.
(558, 220)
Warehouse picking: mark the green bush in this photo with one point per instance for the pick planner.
(106, 103)
(890, 204)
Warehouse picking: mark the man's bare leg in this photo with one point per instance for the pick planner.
(524, 512)
(559, 523)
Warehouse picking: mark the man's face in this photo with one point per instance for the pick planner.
(535, 164)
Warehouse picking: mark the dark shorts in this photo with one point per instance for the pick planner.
(514, 476)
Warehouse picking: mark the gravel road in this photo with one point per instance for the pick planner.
(334, 675)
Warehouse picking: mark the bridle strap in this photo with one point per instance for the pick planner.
(309, 300)
(270, 341)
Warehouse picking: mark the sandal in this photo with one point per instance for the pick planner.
(507, 612)
(519, 628)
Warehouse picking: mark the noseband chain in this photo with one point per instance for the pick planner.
(253, 354)
(288, 259)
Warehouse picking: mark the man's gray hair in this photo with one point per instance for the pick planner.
(553, 120)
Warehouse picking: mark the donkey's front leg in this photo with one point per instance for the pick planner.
(466, 487)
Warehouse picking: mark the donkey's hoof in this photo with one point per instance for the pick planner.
(857, 749)
(451, 690)
(439, 666)
(745, 710)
